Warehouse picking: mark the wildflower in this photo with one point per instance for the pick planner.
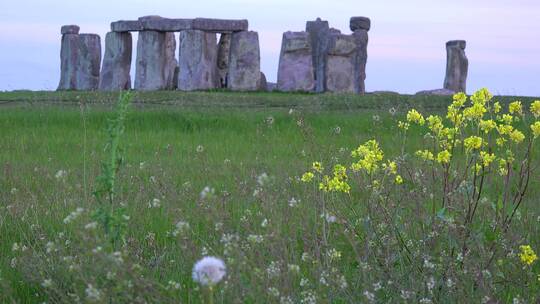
(497, 107)
(459, 100)
(369, 296)
(487, 158)
(527, 255)
(444, 156)
(317, 166)
(209, 271)
(415, 117)
(264, 223)
(399, 180)
(273, 292)
(92, 294)
(293, 202)
(403, 125)
(475, 112)
(473, 143)
(61, 174)
(255, 239)
(376, 118)
(535, 127)
(273, 270)
(142, 165)
(392, 111)
(73, 215)
(337, 130)
(515, 108)
(517, 136)
(293, 268)
(200, 149)
(535, 108)
(173, 285)
(487, 125)
(424, 154)
(270, 120)
(207, 192)
(435, 123)
(46, 283)
(155, 203)
(507, 119)
(263, 179)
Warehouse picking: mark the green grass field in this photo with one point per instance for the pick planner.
(283, 240)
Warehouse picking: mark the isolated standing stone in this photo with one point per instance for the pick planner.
(116, 65)
(156, 61)
(224, 49)
(295, 72)
(69, 57)
(341, 64)
(89, 61)
(457, 66)
(319, 33)
(198, 61)
(244, 62)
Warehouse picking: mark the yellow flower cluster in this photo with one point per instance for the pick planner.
(535, 127)
(444, 157)
(370, 155)
(535, 108)
(337, 183)
(527, 255)
(473, 143)
(414, 116)
(425, 154)
(307, 177)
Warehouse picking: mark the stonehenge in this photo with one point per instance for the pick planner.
(222, 53)
(295, 71)
(457, 66)
(80, 59)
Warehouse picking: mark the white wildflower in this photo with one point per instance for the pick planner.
(293, 202)
(263, 179)
(264, 223)
(293, 268)
(73, 215)
(209, 271)
(46, 283)
(92, 293)
(369, 296)
(273, 292)
(200, 149)
(207, 192)
(255, 239)
(91, 226)
(273, 270)
(155, 203)
(61, 174)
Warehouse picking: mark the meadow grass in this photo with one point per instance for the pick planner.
(249, 151)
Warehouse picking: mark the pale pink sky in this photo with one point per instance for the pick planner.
(406, 48)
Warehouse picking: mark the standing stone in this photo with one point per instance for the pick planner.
(89, 62)
(224, 48)
(360, 27)
(198, 61)
(295, 72)
(319, 33)
(244, 62)
(69, 57)
(361, 39)
(341, 64)
(156, 63)
(263, 85)
(457, 66)
(116, 66)
(171, 64)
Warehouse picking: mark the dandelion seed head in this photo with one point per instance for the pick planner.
(209, 271)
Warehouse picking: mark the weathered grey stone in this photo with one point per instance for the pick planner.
(263, 85)
(69, 56)
(271, 86)
(361, 39)
(70, 29)
(295, 72)
(244, 62)
(171, 64)
(116, 62)
(360, 23)
(198, 61)
(88, 63)
(156, 61)
(319, 33)
(224, 49)
(126, 26)
(436, 92)
(220, 25)
(340, 66)
(158, 23)
(457, 66)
